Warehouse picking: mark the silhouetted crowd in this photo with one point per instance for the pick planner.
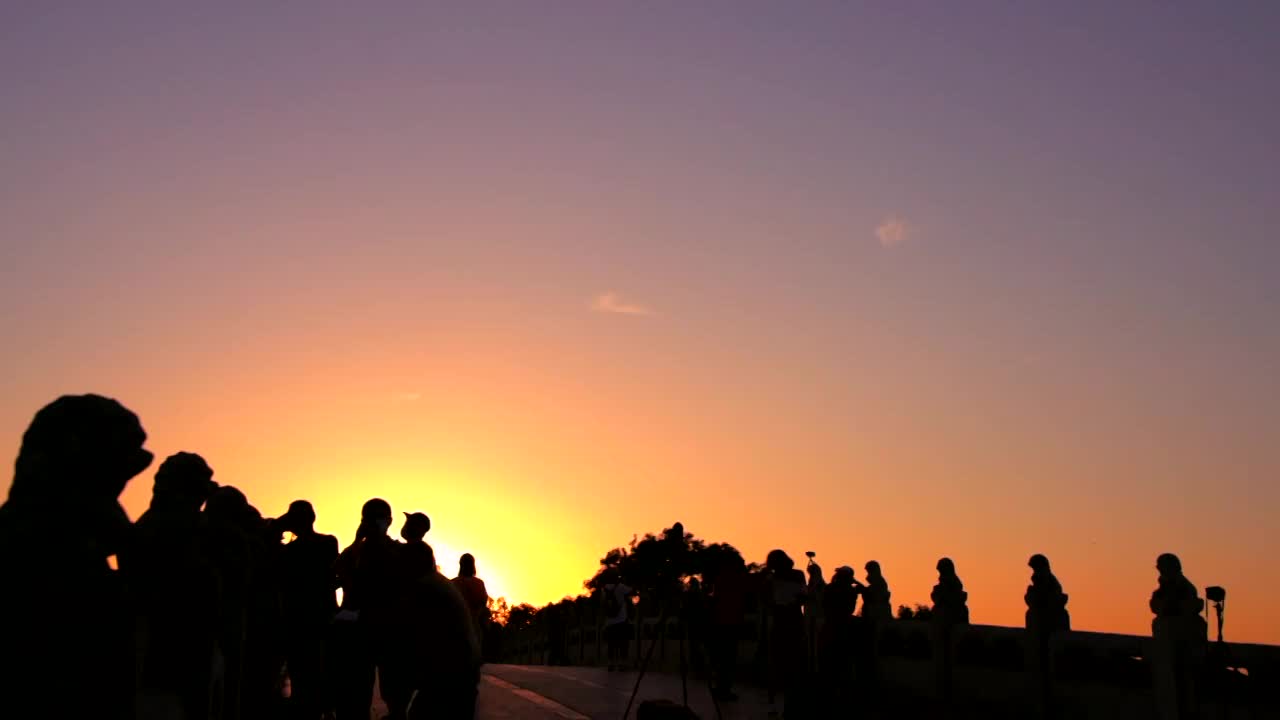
(213, 612)
(821, 638)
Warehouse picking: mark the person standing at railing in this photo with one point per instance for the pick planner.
(1179, 636)
(1046, 616)
(950, 608)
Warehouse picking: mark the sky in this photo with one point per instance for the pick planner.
(883, 280)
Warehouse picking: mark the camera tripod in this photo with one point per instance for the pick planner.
(683, 633)
(1220, 661)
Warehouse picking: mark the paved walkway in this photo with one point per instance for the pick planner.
(528, 692)
(575, 693)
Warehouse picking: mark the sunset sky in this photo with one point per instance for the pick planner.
(888, 280)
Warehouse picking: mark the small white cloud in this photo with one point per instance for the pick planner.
(892, 231)
(612, 302)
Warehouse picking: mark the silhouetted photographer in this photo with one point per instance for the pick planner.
(67, 623)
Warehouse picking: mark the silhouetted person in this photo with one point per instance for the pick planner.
(616, 597)
(369, 573)
(176, 593)
(950, 608)
(445, 657)
(473, 592)
(787, 647)
(1046, 616)
(419, 557)
(415, 560)
(1180, 635)
(728, 614)
(876, 611)
(875, 595)
(244, 548)
(67, 633)
(1046, 603)
(309, 604)
(814, 609)
(835, 639)
(950, 601)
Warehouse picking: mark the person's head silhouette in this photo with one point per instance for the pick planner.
(79, 450)
(946, 568)
(1039, 563)
(375, 517)
(416, 526)
(229, 507)
(184, 479)
(873, 569)
(1169, 565)
(779, 561)
(467, 565)
(301, 517)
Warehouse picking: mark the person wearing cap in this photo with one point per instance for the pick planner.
(176, 591)
(66, 620)
(418, 557)
(309, 604)
(415, 559)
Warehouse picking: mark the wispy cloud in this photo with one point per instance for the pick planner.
(408, 397)
(893, 230)
(612, 302)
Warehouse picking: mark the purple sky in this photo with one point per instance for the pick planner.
(1076, 257)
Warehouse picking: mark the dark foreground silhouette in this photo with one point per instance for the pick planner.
(214, 606)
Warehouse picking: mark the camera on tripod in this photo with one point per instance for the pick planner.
(1218, 596)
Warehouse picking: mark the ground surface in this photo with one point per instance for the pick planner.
(511, 692)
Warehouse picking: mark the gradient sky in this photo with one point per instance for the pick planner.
(882, 280)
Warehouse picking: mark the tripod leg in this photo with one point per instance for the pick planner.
(684, 665)
(707, 653)
(644, 665)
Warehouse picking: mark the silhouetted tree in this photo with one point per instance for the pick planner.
(499, 610)
(520, 617)
(645, 560)
(920, 612)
